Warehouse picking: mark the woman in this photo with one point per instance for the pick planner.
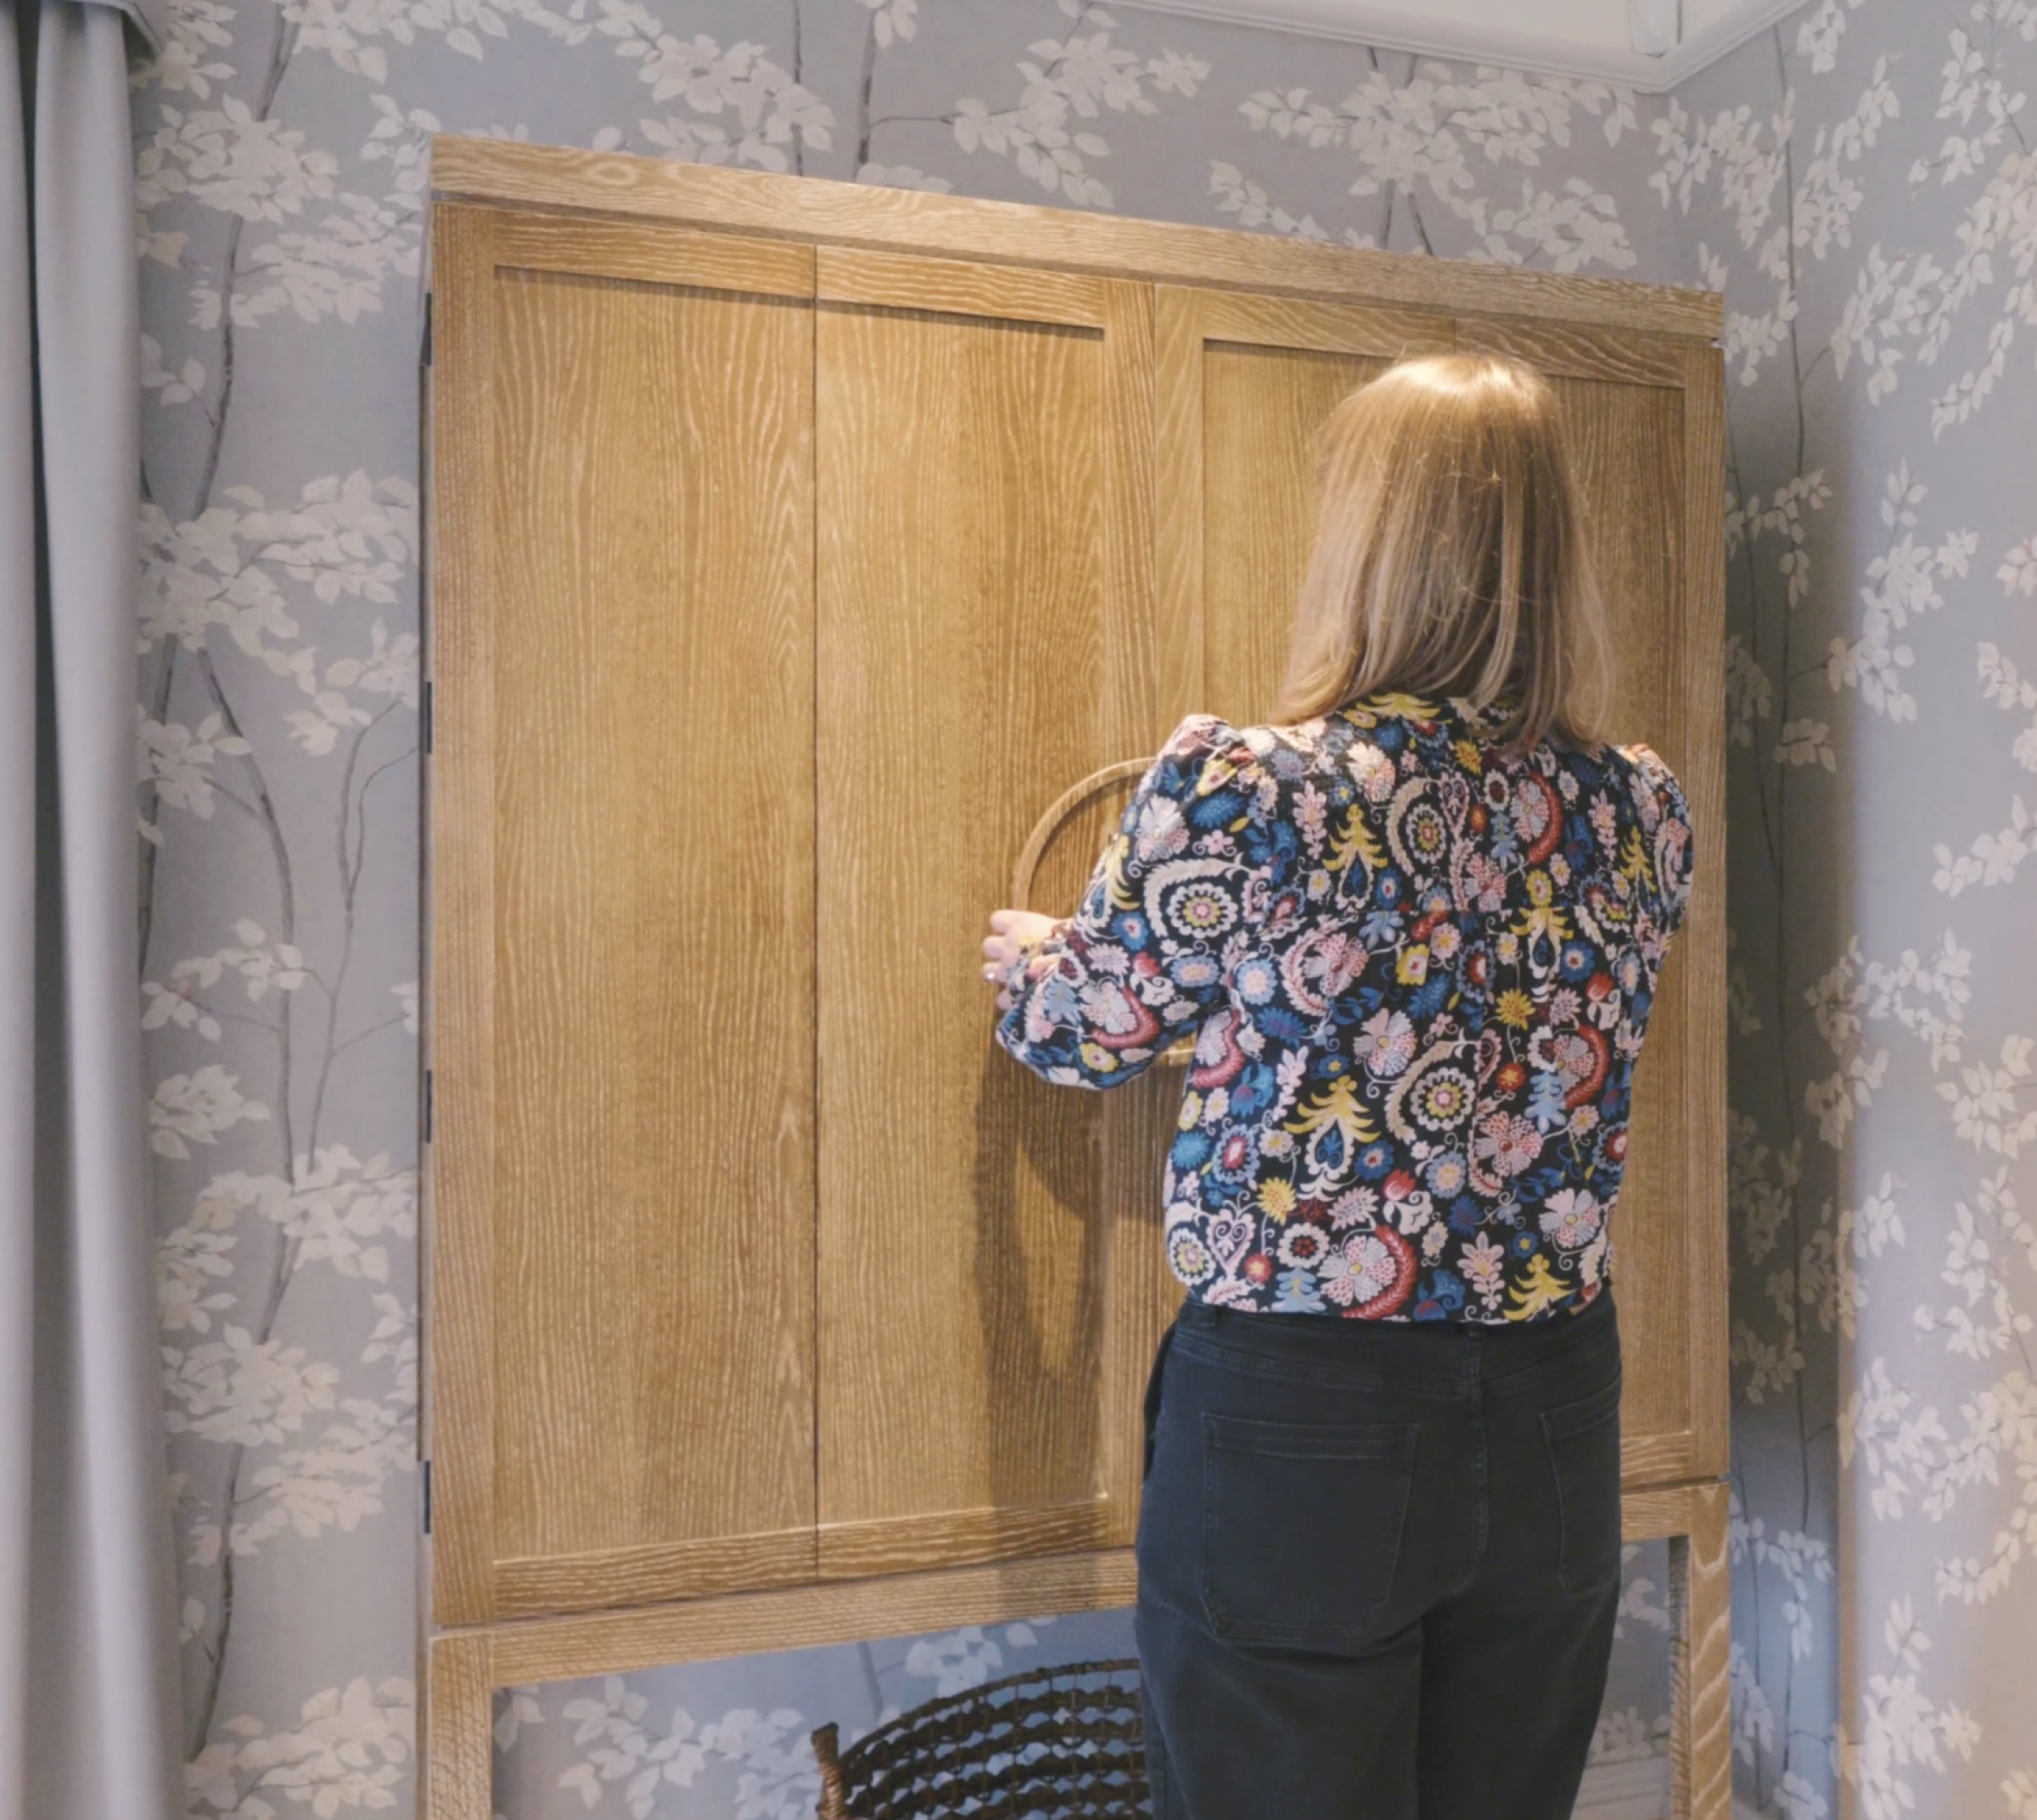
(1415, 927)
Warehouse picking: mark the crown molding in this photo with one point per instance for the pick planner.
(1390, 28)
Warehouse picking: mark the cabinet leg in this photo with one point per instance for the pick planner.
(1701, 1758)
(456, 1742)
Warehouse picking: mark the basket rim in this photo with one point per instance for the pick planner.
(930, 1710)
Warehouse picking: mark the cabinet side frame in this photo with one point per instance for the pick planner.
(458, 976)
(1704, 777)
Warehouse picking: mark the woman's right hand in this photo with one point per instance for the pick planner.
(1011, 933)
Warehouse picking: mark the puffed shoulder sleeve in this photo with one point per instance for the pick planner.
(1665, 824)
(1097, 999)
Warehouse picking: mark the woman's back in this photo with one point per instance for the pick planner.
(1419, 968)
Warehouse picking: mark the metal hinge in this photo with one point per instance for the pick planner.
(427, 1472)
(424, 352)
(427, 714)
(427, 1105)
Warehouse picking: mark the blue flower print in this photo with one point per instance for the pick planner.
(1256, 980)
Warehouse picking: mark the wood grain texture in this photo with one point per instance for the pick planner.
(457, 987)
(1178, 342)
(1123, 776)
(998, 1532)
(1247, 381)
(1261, 407)
(1702, 741)
(1657, 1457)
(1148, 689)
(654, 884)
(1626, 442)
(1654, 1511)
(655, 255)
(876, 215)
(651, 1575)
(1257, 320)
(456, 1743)
(1701, 1759)
(847, 1611)
(1016, 294)
(971, 472)
(1569, 352)
(634, 470)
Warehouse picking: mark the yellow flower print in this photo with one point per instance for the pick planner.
(1335, 1103)
(1411, 966)
(1536, 1291)
(1192, 1109)
(1540, 889)
(1356, 840)
(1415, 707)
(1123, 894)
(1468, 755)
(1098, 1059)
(1634, 861)
(1277, 1199)
(1515, 1009)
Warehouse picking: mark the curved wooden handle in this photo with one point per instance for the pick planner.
(1058, 811)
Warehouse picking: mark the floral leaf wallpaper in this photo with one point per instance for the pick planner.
(1858, 181)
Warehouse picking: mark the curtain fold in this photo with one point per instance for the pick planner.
(88, 1687)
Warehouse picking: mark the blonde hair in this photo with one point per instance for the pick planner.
(1450, 559)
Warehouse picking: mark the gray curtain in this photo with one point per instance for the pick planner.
(88, 1687)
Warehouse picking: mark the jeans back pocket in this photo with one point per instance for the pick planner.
(1302, 1527)
(1582, 1438)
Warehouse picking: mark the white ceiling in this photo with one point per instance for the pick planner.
(1591, 38)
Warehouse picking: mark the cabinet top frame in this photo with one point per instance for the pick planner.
(614, 183)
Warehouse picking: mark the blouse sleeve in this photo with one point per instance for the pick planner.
(1099, 998)
(1666, 838)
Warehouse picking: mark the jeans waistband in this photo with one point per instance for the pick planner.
(1439, 1358)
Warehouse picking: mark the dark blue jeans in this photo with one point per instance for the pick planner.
(1378, 1565)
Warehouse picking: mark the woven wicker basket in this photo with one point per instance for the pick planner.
(1053, 1744)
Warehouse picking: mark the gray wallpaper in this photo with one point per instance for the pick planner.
(1859, 183)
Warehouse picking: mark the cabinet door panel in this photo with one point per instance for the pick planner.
(1245, 383)
(623, 755)
(1640, 411)
(985, 636)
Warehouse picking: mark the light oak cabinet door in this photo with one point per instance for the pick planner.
(621, 1325)
(1246, 381)
(1645, 416)
(986, 1255)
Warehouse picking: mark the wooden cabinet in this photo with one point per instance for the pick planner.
(795, 546)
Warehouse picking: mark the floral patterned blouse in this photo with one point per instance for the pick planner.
(1417, 971)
